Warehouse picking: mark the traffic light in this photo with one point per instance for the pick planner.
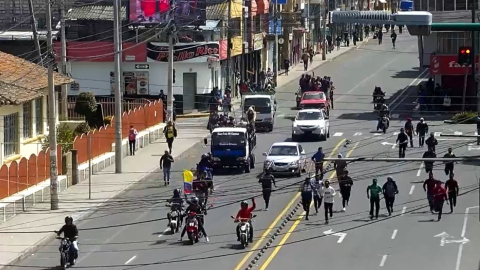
(464, 56)
(173, 75)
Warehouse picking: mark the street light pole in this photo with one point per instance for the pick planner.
(171, 34)
(275, 46)
(118, 90)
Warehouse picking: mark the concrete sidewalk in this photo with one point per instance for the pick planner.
(21, 235)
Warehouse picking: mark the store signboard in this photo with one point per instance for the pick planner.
(154, 12)
(133, 83)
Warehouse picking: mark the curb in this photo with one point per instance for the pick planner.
(83, 215)
(254, 261)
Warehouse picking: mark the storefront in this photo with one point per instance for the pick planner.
(451, 76)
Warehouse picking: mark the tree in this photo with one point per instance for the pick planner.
(86, 105)
(65, 139)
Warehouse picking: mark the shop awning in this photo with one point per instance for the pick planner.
(217, 12)
(263, 6)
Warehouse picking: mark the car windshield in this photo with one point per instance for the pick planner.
(309, 115)
(283, 150)
(313, 96)
(262, 105)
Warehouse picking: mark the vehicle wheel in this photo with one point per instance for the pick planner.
(328, 133)
(191, 238)
(172, 228)
(294, 138)
(63, 261)
(247, 166)
(243, 240)
(299, 173)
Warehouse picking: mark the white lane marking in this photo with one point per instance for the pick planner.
(394, 234)
(404, 210)
(384, 259)
(437, 134)
(368, 78)
(338, 134)
(377, 134)
(163, 233)
(420, 170)
(411, 190)
(395, 133)
(357, 134)
(464, 230)
(131, 259)
(421, 77)
(281, 115)
(457, 133)
(470, 148)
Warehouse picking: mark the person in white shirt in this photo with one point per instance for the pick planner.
(328, 196)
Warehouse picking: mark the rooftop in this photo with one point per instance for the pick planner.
(94, 13)
(22, 81)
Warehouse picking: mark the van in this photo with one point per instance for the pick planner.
(265, 108)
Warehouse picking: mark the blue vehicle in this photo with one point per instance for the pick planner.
(232, 147)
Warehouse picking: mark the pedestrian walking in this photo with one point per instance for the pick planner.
(452, 191)
(317, 193)
(409, 130)
(373, 194)
(305, 58)
(317, 158)
(345, 184)
(428, 187)
(389, 189)
(429, 164)
(422, 129)
(393, 36)
(267, 180)
(132, 140)
(402, 141)
(170, 132)
(328, 196)
(166, 164)
(286, 65)
(449, 165)
(440, 196)
(307, 195)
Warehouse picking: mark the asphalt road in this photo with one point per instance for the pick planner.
(130, 232)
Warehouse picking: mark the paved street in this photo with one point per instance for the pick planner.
(130, 232)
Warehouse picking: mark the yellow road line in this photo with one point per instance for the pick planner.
(294, 226)
(277, 219)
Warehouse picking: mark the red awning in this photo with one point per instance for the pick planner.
(262, 6)
(253, 9)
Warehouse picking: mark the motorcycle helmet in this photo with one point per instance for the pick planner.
(177, 192)
(243, 204)
(67, 218)
(204, 156)
(194, 200)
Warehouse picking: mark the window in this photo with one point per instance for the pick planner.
(27, 120)
(39, 115)
(10, 134)
(449, 42)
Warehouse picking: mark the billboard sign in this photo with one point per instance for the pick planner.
(184, 52)
(187, 12)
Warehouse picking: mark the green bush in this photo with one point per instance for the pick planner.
(86, 104)
(65, 138)
(83, 128)
(107, 120)
(467, 117)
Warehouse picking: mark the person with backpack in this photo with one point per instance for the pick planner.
(170, 132)
(389, 189)
(307, 196)
(132, 139)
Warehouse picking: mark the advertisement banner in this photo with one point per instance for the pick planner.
(187, 182)
(159, 51)
(187, 12)
(447, 65)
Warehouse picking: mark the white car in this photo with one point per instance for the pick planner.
(285, 158)
(311, 122)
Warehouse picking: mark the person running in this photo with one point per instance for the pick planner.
(409, 130)
(307, 195)
(452, 190)
(440, 196)
(402, 141)
(328, 195)
(166, 164)
(317, 192)
(345, 184)
(428, 187)
(393, 36)
(170, 132)
(429, 164)
(318, 160)
(422, 129)
(431, 142)
(389, 189)
(449, 165)
(267, 180)
(373, 194)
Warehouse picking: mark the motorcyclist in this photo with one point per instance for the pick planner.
(245, 214)
(429, 164)
(318, 160)
(251, 114)
(176, 204)
(409, 130)
(377, 92)
(431, 142)
(205, 164)
(422, 129)
(70, 231)
(402, 141)
(194, 207)
(384, 112)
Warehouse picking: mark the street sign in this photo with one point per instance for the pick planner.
(142, 66)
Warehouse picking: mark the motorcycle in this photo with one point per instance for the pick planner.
(244, 231)
(378, 101)
(383, 125)
(175, 220)
(67, 254)
(193, 232)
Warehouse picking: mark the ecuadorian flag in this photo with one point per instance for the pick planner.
(187, 181)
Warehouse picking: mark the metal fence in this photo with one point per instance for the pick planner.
(108, 105)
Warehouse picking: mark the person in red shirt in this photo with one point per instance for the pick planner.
(245, 214)
(452, 189)
(439, 197)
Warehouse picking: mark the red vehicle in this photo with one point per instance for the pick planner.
(192, 228)
(314, 100)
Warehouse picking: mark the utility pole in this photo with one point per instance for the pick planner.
(171, 34)
(52, 123)
(64, 112)
(324, 36)
(275, 46)
(35, 33)
(118, 90)
(474, 58)
(229, 53)
(244, 36)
